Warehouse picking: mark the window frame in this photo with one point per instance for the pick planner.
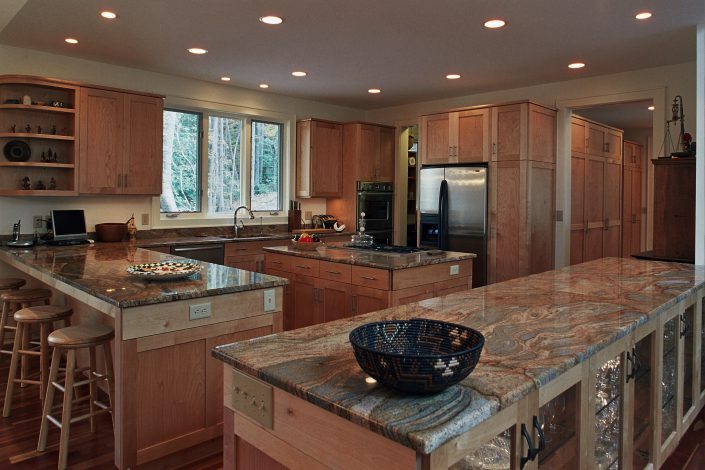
(281, 163)
(199, 190)
(287, 172)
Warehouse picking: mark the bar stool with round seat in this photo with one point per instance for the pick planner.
(11, 283)
(13, 301)
(69, 340)
(43, 316)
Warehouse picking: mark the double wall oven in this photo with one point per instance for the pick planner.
(376, 200)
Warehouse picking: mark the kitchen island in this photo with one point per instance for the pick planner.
(588, 366)
(336, 281)
(167, 386)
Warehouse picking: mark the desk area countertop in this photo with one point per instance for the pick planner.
(337, 253)
(536, 328)
(100, 271)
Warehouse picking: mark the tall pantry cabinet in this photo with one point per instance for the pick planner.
(596, 191)
(631, 199)
(517, 142)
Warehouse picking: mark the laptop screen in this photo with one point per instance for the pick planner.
(69, 224)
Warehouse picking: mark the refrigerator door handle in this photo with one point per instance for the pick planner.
(443, 216)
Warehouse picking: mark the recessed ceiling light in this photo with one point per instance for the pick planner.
(263, 85)
(453, 76)
(298, 73)
(643, 15)
(197, 50)
(71, 40)
(576, 65)
(109, 15)
(225, 79)
(651, 108)
(271, 19)
(374, 91)
(494, 24)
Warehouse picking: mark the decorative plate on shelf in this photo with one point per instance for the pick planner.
(17, 151)
(164, 270)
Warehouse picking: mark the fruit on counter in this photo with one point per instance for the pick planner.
(306, 238)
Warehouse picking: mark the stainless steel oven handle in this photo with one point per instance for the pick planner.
(197, 248)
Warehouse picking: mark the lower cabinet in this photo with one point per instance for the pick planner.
(626, 407)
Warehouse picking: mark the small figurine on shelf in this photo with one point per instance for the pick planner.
(40, 185)
(132, 228)
(25, 183)
(55, 156)
(13, 128)
(39, 129)
(49, 156)
(52, 183)
(44, 156)
(53, 129)
(28, 128)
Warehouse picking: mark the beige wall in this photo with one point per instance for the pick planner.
(177, 90)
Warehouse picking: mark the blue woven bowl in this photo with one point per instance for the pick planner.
(417, 356)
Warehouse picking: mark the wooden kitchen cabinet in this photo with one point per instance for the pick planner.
(372, 148)
(334, 299)
(631, 199)
(674, 208)
(120, 150)
(457, 137)
(319, 158)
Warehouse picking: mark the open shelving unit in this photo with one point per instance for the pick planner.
(59, 133)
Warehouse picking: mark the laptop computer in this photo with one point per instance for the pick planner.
(69, 227)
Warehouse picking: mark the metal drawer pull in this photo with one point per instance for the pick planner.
(369, 278)
(334, 272)
(276, 262)
(303, 267)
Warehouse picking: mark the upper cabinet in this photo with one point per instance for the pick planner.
(121, 145)
(457, 137)
(372, 147)
(595, 139)
(39, 133)
(319, 158)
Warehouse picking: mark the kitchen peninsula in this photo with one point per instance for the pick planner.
(336, 281)
(587, 366)
(167, 386)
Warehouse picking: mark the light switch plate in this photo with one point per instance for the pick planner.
(269, 300)
(198, 311)
(454, 269)
(145, 219)
(253, 398)
(559, 216)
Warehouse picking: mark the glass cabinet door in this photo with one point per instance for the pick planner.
(687, 335)
(668, 380)
(494, 454)
(608, 413)
(559, 419)
(642, 376)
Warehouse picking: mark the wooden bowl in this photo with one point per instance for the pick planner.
(110, 232)
(306, 246)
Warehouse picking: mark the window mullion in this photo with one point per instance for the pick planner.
(205, 209)
(246, 162)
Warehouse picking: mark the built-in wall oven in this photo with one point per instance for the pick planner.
(376, 200)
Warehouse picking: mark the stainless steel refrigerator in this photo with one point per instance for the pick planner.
(453, 206)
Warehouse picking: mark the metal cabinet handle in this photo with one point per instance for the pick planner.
(630, 366)
(637, 363)
(606, 224)
(275, 262)
(539, 431)
(685, 325)
(529, 447)
(494, 148)
(369, 278)
(334, 272)
(303, 267)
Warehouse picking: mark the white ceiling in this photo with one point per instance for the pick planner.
(403, 47)
(632, 115)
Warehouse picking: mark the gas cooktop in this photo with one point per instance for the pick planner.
(394, 249)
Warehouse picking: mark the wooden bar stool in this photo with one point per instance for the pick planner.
(11, 283)
(44, 316)
(13, 301)
(69, 340)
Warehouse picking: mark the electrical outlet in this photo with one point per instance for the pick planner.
(454, 269)
(198, 311)
(269, 300)
(307, 215)
(145, 219)
(559, 216)
(38, 222)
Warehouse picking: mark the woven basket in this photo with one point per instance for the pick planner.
(417, 356)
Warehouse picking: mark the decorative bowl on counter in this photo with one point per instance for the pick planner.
(164, 270)
(306, 246)
(417, 355)
(110, 232)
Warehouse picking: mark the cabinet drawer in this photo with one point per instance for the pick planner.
(334, 271)
(243, 248)
(277, 262)
(306, 267)
(370, 277)
(451, 286)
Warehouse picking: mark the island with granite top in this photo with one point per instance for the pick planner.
(336, 281)
(167, 387)
(597, 365)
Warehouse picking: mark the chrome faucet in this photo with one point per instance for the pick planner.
(236, 229)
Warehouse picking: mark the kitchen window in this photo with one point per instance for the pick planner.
(215, 162)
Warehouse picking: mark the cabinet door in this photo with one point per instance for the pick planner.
(473, 136)
(326, 166)
(368, 152)
(142, 167)
(613, 145)
(596, 140)
(636, 210)
(641, 381)
(102, 121)
(668, 391)
(627, 211)
(366, 299)
(305, 305)
(436, 144)
(577, 209)
(559, 416)
(594, 208)
(612, 210)
(507, 128)
(387, 154)
(686, 371)
(334, 298)
(578, 135)
(247, 262)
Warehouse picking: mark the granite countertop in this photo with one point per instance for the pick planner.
(337, 253)
(213, 239)
(100, 271)
(536, 328)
